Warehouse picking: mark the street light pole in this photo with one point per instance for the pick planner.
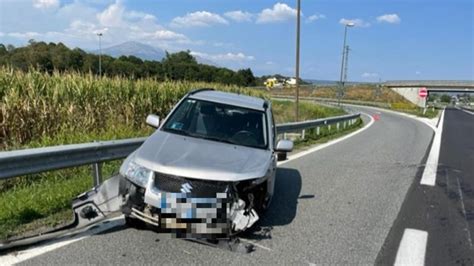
(341, 83)
(100, 54)
(298, 58)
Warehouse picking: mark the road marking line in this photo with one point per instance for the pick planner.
(431, 167)
(20, 256)
(466, 111)
(464, 213)
(426, 121)
(327, 144)
(412, 248)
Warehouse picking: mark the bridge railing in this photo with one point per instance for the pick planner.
(38, 160)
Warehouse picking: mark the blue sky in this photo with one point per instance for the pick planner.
(398, 39)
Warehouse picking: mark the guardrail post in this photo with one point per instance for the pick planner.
(302, 134)
(337, 126)
(97, 173)
(317, 131)
(329, 127)
(344, 125)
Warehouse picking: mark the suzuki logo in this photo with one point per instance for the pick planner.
(186, 188)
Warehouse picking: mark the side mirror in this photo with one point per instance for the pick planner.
(153, 121)
(284, 146)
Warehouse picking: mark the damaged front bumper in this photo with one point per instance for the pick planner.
(188, 208)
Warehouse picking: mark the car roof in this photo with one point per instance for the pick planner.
(230, 99)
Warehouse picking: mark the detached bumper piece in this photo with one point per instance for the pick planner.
(89, 209)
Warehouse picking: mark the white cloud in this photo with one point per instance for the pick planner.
(239, 16)
(46, 4)
(2, 34)
(315, 17)
(357, 22)
(369, 75)
(417, 73)
(24, 35)
(389, 18)
(236, 57)
(135, 15)
(279, 12)
(78, 24)
(166, 35)
(198, 19)
(112, 16)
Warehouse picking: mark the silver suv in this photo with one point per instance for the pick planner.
(209, 168)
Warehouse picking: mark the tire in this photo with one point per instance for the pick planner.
(281, 156)
(134, 223)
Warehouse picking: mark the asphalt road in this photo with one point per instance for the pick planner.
(333, 206)
(445, 211)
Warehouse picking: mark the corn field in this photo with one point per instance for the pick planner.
(35, 105)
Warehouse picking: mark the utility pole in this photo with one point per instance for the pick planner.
(341, 83)
(345, 67)
(100, 54)
(298, 59)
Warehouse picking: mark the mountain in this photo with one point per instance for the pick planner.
(144, 52)
(140, 50)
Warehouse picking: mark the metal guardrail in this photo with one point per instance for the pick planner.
(430, 83)
(296, 126)
(32, 161)
(38, 160)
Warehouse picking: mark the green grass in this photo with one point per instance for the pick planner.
(285, 111)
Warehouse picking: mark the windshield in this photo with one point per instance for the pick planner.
(219, 122)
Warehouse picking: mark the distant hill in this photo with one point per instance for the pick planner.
(140, 50)
(144, 52)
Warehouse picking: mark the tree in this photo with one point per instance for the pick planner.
(51, 57)
(445, 98)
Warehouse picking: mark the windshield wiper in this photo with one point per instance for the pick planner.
(178, 131)
(217, 139)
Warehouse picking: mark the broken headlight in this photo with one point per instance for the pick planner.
(137, 174)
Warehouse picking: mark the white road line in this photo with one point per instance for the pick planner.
(412, 248)
(327, 144)
(20, 256)
(431, 167)
(426, 121)
(466, 111)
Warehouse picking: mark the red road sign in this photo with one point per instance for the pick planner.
(423, 93)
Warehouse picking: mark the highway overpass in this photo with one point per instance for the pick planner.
(409, 88)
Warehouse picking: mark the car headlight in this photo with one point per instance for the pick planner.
(137, 174)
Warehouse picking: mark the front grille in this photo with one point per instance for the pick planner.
(199, 188)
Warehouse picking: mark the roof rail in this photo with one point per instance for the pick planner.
(199, 90)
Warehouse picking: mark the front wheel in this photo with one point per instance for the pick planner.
(134, 222)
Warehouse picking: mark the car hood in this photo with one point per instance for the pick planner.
(202, 159)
